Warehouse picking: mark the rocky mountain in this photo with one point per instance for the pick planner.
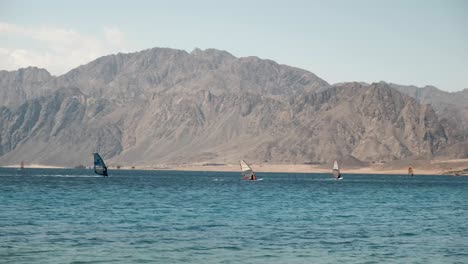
(431, 95)
(452, 109)
(18, 86)
(145, 74)
(165, 106)
(376, 122)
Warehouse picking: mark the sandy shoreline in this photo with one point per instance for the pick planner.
(435, 167)
(303, 169)
(33, 166)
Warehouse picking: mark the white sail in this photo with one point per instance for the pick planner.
(245, 166)
(336, 170)
(246, 170)
(335, 166)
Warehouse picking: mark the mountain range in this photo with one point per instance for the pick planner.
(166, 106)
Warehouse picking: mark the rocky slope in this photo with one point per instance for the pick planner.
(164, 106)
(145, 74)
(431, 95)
(18, 86)
(452, 109)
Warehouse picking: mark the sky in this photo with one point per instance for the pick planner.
(409, 42)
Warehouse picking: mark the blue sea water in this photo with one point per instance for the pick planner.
(72, 216)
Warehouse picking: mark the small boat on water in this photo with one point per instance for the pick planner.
(247, 173)
(336, 171)
(100, 167)
(22, 165)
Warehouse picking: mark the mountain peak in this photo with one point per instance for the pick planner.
(152, 71)
(211, 52)
(20, 85)
(30, 72)
(166, 106)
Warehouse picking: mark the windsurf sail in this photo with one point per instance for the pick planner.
(336, 171)
(99, 165)
(247, 172)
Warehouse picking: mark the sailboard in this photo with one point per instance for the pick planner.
(99, 165)
(336, 171)
(247, 173)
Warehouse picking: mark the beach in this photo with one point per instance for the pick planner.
(420, 167)
(311, 169)
(34, 166)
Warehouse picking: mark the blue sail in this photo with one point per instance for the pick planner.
(99, 165)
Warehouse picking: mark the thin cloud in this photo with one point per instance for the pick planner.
(57, 49)
(115, 37)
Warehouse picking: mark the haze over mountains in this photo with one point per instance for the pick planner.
(167, 106)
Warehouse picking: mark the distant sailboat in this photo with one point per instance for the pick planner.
(336, 171)
(99, 165)
(247, 172)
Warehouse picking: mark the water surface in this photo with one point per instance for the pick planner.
(72, 216)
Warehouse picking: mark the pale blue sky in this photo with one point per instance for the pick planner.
(405, 42)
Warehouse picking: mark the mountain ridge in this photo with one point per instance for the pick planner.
(165, 106)
(22, 84)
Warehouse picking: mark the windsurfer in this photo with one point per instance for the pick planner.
(247, 172)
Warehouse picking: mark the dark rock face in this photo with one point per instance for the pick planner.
(164, 106)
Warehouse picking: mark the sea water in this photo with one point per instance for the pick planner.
(73, 216)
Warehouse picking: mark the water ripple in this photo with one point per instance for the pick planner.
(72, 216)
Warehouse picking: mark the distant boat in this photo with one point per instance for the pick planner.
(247, 173)
(336, 171)
(22, 165)
(99, 165)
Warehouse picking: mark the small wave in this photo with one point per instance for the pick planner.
(406, 234)
(67, 176)
(144, 242)
(234, 248)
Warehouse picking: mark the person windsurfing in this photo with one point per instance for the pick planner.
(336, 171)
(247, 172)
(339, 176)
(100, 167)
